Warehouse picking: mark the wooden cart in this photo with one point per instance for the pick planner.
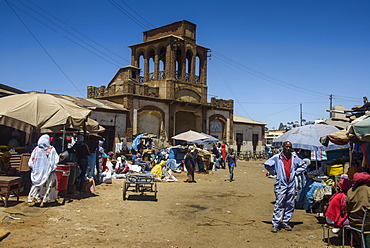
(140, 183)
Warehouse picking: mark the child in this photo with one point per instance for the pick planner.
(231, 162)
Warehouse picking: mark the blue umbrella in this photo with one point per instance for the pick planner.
(308, 137)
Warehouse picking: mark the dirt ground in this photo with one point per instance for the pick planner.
(210, 213)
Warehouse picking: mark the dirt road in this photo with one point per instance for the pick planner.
(210, 213)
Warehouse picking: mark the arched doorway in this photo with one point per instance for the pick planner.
(185, 121)
(149, 122)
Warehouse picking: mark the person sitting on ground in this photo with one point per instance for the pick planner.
(358, 197)
(157, 169)
(336, 213)
(139, 161)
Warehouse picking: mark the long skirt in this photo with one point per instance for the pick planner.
(47, 192)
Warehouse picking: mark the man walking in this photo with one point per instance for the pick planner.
(285, 165)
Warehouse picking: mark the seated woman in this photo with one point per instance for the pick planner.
(336, 213)
(139, 161)
(357, 198)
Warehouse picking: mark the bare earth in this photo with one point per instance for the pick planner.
(210, 213)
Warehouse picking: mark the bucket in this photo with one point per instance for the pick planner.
(334, 170)
(62, 172)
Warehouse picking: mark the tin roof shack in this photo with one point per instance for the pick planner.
(248, 134)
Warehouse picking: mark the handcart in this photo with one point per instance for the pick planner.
(140, 183)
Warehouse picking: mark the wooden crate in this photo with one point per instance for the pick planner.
(20, 161)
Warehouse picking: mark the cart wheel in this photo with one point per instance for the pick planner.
(155, 192)
(124, 190)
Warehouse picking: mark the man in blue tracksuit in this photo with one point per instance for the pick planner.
(285, 165)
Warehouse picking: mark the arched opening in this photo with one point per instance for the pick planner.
(141, 66)
(178, 65)
(162, 63)
(188, 65)
(217, 126)
(149, 122)
(185, 121)
(197, 70)
(151, 64)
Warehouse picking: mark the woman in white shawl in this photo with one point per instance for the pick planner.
(43, 163)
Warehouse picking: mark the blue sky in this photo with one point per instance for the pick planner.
(269, 56)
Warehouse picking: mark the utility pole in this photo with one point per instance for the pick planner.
(300, 107)
(331, 105)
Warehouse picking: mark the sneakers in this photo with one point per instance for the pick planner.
(286, 227)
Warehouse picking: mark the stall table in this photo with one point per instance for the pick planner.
(9, 185)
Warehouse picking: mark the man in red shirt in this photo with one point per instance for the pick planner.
(285, 165)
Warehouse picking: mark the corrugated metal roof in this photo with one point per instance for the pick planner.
(246, 120)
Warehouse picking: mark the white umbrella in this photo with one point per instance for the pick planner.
(190, 136)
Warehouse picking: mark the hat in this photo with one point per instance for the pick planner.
(361, 177)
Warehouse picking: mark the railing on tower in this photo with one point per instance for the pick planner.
(151, 76)
(178, 75)
(162, 75)
(187, 77)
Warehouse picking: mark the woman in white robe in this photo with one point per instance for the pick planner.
(43, 163)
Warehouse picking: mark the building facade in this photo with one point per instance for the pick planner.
(165, 87)
(248, 135)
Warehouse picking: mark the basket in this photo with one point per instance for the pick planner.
(334, 170)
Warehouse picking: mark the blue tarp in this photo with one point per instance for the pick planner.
(136, 141)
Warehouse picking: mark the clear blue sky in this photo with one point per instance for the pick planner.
(269, 56)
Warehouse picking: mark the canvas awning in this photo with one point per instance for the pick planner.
(39, 111)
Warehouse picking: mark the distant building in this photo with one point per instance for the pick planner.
(248, 134)
(270, 136)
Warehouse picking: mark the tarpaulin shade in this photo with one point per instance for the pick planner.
(361, 129)
(37, 111)
(340, 137)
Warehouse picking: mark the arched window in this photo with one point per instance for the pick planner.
(178, 64)
(151, 65)
(162, 63)
(188, 66)
(197, 70)
(141, 66)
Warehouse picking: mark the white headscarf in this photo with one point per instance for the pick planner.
(43, 161)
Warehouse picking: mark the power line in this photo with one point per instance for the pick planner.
(265, 76)
(74, 30)
(272, 79)
(126, 13)
(43, 48)
(228, 86)
(137, 13)
(89, 50)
